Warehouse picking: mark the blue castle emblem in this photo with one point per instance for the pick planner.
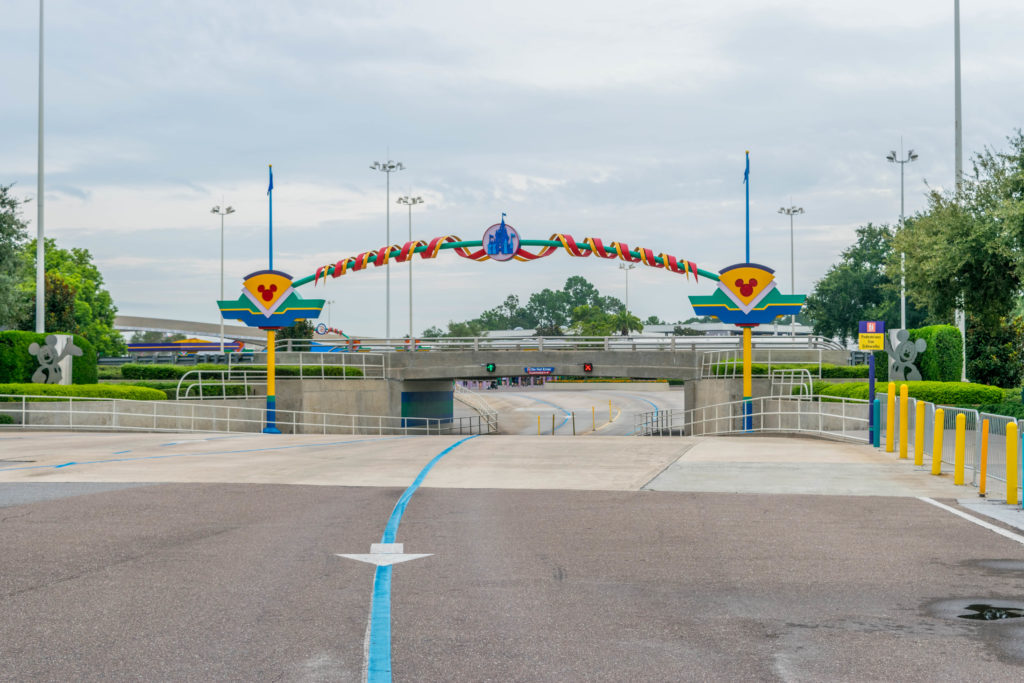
(501, 241)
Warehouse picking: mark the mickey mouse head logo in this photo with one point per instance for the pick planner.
(267, 292)
(746, 289)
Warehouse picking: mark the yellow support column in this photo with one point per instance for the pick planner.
(1011, 463)
(748, 382)
(904, 401)
(890, 418)
(919, 435)
(984, 458)
(271, 420)
(940, 416)
(958, 457)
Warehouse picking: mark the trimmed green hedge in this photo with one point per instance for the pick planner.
(942, 360)
(942, 393)
(209, 389)
(18, 365)
(1015, 410)
(157, 372)
(6, 420)
(84, 390)
(827, 369)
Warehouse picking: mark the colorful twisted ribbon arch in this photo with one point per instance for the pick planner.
(465, 249)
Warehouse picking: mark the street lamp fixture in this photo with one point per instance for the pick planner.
(217, 210)
(410, 202)
(893, 158)
(791, 211)
(387, 167)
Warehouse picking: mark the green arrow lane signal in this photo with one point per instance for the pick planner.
(491, 367)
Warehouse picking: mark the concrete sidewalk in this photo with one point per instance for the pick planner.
(700, 464)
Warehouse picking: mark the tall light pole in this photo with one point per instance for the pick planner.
(894, 159)
(387, 167)
(791, 211)
(627, 267)
(329, 302)
(958, 165)
(225, 212)
(40, 241)
(410, 202)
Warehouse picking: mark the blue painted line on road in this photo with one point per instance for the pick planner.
(650, 403)
(122, 452)
(67, 464)
(378, 664)
(557, 407)
(182, 455)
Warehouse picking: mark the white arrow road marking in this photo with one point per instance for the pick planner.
(384, 554)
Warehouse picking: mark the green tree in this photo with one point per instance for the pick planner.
(965, 248)
(60, 305)
(858, 288)
(94, 307)
(996, 355)
(591, 321)
(300, 329)
(12, 235)
(433, 332)
(151, 337)
(626, 322)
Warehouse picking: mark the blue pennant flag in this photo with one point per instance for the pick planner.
(270, 187)
(746, 172)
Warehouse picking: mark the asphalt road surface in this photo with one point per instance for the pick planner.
(519, 409)
(552, 559)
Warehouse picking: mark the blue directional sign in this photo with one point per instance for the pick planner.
(539, 370)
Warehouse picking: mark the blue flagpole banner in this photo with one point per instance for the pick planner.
(270, 201)
(746, 182)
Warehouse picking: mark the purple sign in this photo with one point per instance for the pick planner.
(871, 326)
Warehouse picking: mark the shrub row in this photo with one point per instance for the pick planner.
(209, 389)
(827, 369)
(84, 390)
(941, 361)
(157, 372)
(6, 419)
(17, 365)
(942, 393)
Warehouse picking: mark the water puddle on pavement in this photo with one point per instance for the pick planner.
(990, 613)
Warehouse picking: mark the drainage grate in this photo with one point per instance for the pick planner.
(990, 613)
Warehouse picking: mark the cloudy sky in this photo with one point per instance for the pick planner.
(623, 121)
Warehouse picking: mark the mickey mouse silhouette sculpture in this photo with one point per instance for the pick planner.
(902, 357)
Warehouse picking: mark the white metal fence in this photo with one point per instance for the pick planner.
(571, 343)
(973, 436)
(728, 363)
(104, 414)
(836, 418)
(478, 403)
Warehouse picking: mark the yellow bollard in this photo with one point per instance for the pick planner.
(940, 415)
(593, 416)
(1011, 463)
(919, 435)
(552, 424)
(538, 425)
(958, 457)
(609, 410)
(890, 417)
(983, 467)
(904, 401)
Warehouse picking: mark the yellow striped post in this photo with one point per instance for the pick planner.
(904, 400)
(890, 418)
(538, 425)
(940, 416)
(919, 435)
(593, 417)
(984, 458)
(958, 457)
(1011, 463)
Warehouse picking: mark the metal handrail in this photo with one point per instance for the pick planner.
(566, 343)
(116, 414)
(477, 402)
